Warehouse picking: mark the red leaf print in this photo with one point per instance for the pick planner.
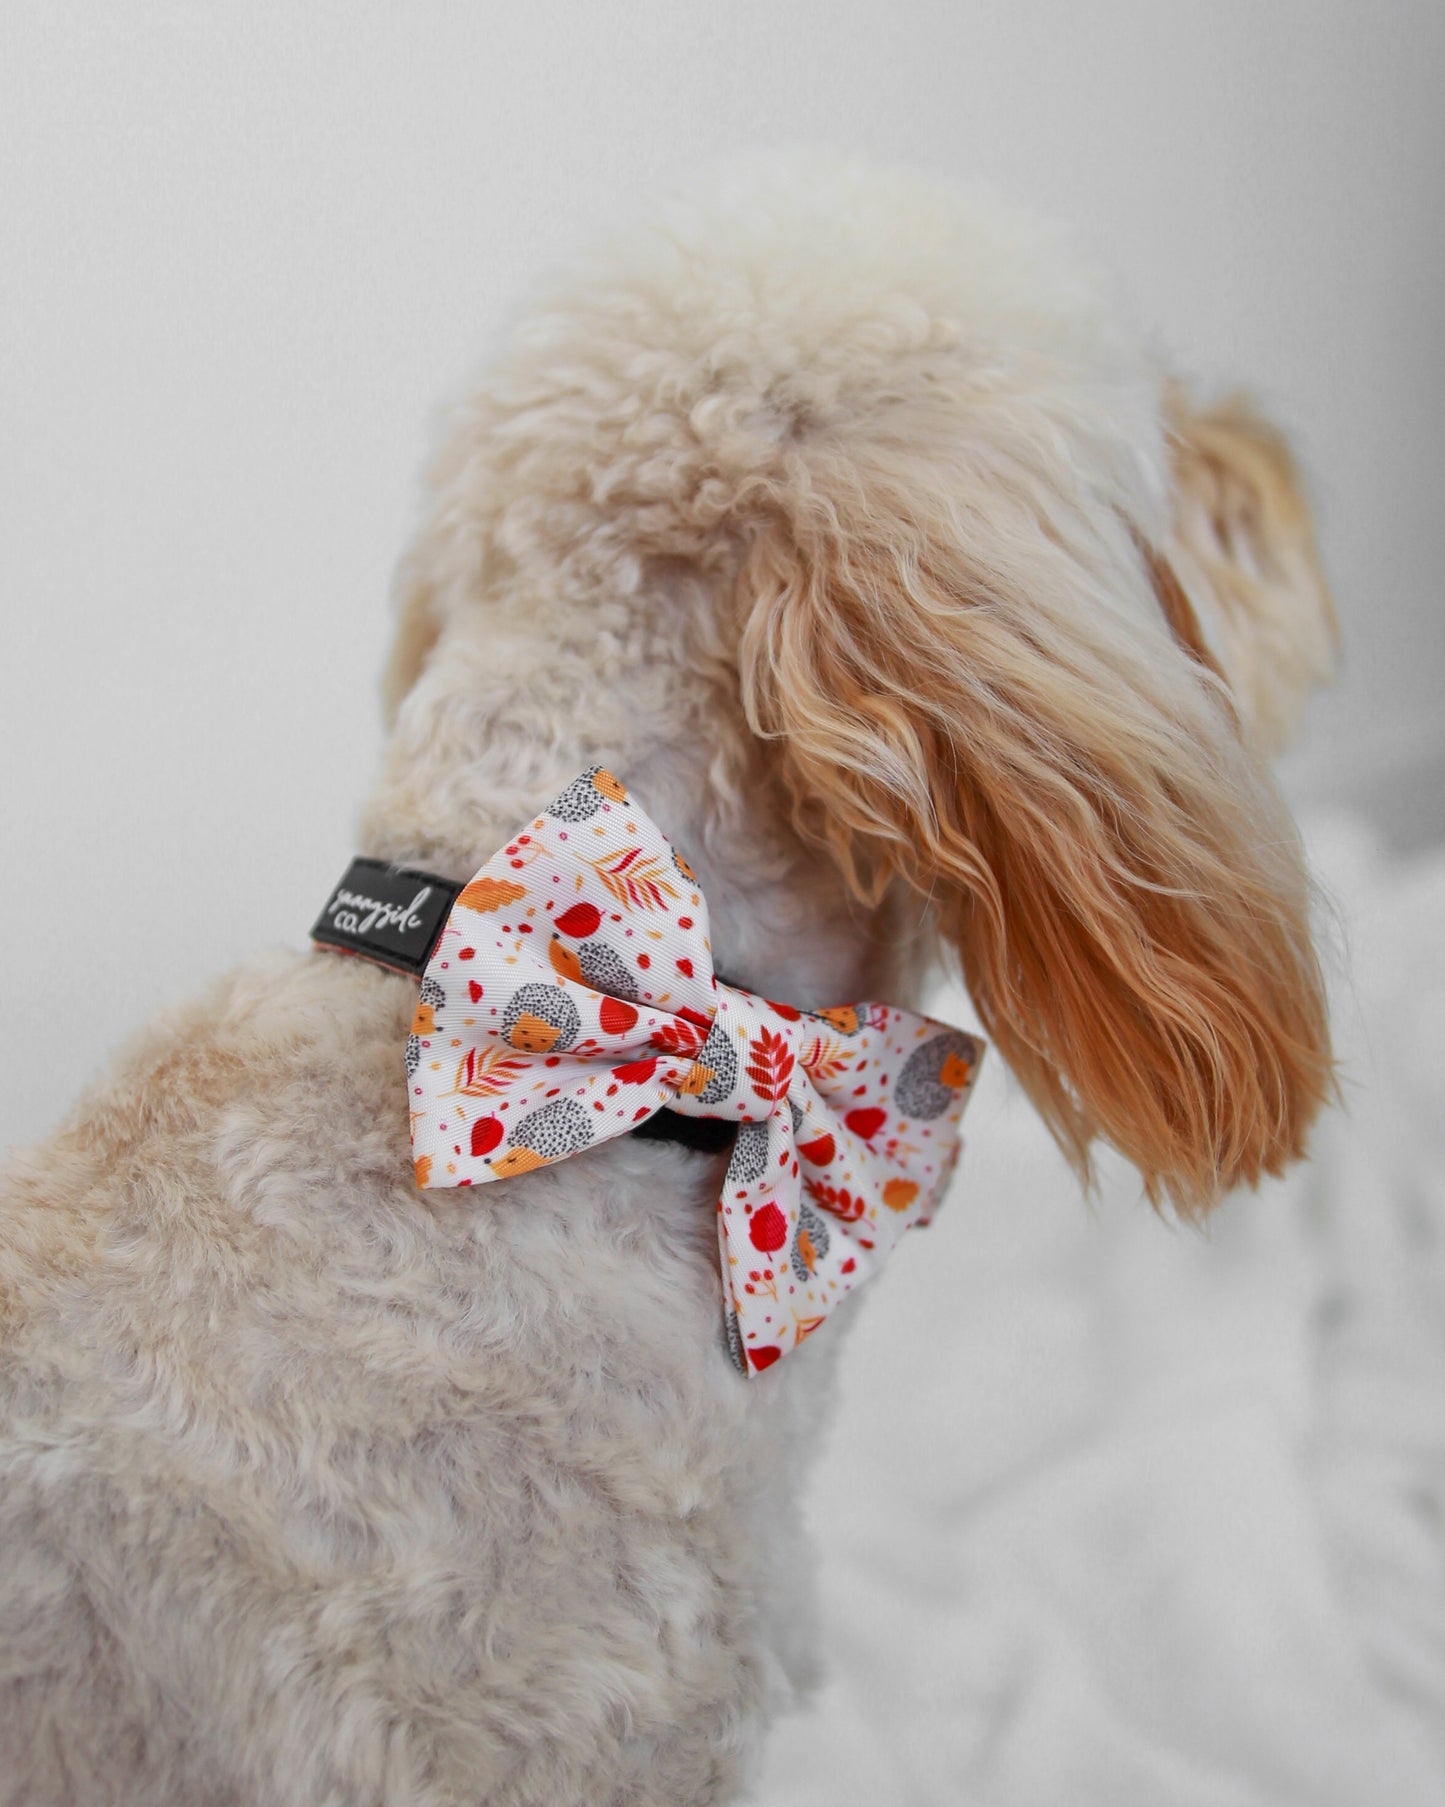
(820, 1150)
(678, 1037)
(474, 991)
(636, 1072)
(866, 1123)
(616, 1016)
(486, 1133)
(836, 1199)
(770, 1066)
(768, 1229)
(764, 1357)
(581, 920)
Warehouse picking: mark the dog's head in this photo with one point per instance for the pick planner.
(887, 506)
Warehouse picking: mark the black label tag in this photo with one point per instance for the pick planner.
(391, 914)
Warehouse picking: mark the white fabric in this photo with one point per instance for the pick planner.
(1116, 1513)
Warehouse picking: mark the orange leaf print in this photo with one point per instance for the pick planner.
(483, 1072)
(491, 894)
(825, 1059)
(635, 879)
(898, 1195)
(770, 1065)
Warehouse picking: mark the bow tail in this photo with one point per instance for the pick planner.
(781, 1270)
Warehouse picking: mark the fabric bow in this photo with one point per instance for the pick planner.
(571, 995)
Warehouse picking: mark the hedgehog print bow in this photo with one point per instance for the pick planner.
(571, 995)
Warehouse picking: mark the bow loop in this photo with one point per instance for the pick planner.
(571, 996)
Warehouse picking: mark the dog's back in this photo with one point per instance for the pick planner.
(311, 1494)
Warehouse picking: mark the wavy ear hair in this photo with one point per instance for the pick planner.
(964, 661)
(1243, 549)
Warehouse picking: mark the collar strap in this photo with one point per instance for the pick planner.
(394, 916)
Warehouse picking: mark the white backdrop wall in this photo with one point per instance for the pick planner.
(246, 250)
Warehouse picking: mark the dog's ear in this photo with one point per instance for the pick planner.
(418, 627)
(962, 658)
(1243, 551)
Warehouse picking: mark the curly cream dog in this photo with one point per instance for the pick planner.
(854, 527)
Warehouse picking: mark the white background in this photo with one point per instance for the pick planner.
(247, 251)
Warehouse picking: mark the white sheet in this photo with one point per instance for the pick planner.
(1116, 1513)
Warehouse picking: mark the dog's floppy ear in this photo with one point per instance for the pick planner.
(960, 654)
(1243, 549)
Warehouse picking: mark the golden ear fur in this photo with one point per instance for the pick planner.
(963, 704)
(1243, 547)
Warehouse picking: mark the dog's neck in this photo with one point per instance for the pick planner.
(462, 774)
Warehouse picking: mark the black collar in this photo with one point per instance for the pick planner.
(394, 916)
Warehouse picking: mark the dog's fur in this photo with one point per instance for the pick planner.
(854, 528)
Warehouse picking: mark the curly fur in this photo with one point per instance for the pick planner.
(842, 518)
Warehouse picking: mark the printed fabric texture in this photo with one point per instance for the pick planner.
(572, 995)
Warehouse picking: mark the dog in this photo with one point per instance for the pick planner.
(851, 523)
